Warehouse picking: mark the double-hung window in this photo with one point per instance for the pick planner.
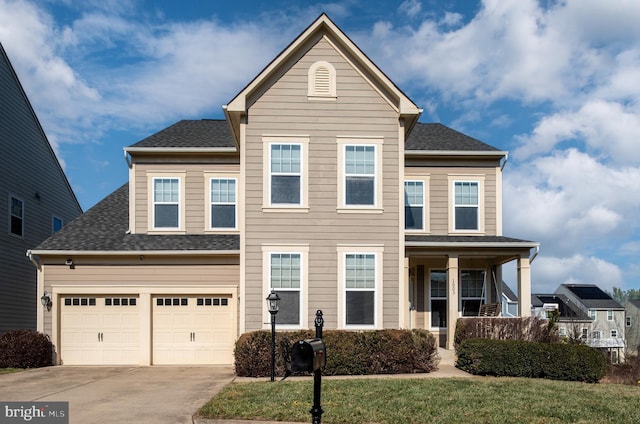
(466, 205)
(438, 294)
(223, 203)
(472, 291)
(414, 205)
(285, 277)
(16, 208)
(360, 288)
(609, 315)
(285, 174)
(360, 175)
(166, 203)
(592, 314)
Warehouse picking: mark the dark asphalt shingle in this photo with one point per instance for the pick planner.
(191, 133)
(104, 228)
(440, 137)
(462, 239)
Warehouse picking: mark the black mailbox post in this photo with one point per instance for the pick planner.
(308, 355)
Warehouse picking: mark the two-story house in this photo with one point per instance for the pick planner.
(606, 330)
(632, 325)
(320, 184)
(36, 197)
(570, 320)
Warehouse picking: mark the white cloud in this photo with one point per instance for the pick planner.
(411, 8)
(549, 272)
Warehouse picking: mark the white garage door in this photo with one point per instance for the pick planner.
(193, 330)
(99, 330)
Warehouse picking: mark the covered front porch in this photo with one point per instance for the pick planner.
(449, 277)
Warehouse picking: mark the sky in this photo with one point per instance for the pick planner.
(555, 83)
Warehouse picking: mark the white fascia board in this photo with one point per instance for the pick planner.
(497, 153)
(180, 150)
(132, 252)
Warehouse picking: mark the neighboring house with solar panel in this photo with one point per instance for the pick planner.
(35, 197)
(632, 326)
(571, 320)
(320, 184)
(607, 328)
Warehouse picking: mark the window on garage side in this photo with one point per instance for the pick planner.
(285, 278)
(223, 203)
(166, 203)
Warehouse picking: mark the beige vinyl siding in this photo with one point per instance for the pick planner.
(29, 170)
(223, 271)
(439, 201)
(358, 111)
(195, 192)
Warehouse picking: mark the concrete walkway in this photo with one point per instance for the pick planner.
(446, 369)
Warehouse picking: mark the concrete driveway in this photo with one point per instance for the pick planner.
(156, 394)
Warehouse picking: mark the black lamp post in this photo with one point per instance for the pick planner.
(272, 302)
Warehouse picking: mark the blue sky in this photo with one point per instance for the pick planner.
(555, 83)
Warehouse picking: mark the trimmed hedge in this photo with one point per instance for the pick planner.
(25, 349)
(532, 329)
(517, 358)
(348, 352)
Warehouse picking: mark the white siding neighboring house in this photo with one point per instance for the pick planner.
(632, 326)
(608, 319)
(509, 301)
(36, 200)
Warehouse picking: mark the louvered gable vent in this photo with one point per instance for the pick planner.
(322, 81)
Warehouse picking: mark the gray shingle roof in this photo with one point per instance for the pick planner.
(191, 133)
(463, 239)
(216, 133)
(568, 311)
(440, 137)
(104, 228)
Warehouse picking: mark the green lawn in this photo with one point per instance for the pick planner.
(9, 370)
(438, 400)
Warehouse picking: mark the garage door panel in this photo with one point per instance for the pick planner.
(98, 330)
(201, 327)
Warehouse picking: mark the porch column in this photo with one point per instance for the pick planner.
(452, 299)
(524, 287)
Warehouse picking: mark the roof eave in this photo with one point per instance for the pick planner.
(445, 153)
(180, 150)
(492, 244)
(132, 252)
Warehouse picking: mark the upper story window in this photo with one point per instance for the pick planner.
(16, 211)
(223, 203)
(322, 81)
(614, 334)
(592, 314)
(360, 175)
(467, 205)
(56, 224)
(286, 174)
(609, 315)
(166, 203)
(414, 205)
(628, 321)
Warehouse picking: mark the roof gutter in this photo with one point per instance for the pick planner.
(523, 244)
(504, 162)
(488, 153)
(133, 252)
(127, 158)
(535, 253)
(130, 150)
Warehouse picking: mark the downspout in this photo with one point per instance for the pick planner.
(33, 259)
(504, 163)
(534, 254)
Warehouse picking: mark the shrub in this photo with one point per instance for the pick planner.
(348, 352)
(626, 373)
(532, 329)
(517, 358)
(25, 349)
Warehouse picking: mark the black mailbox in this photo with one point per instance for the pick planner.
(308, 355)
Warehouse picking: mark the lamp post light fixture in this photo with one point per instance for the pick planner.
(272, 301)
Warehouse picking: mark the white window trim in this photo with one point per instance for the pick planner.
(377, 143)
(453, 179)
(303, 141)
(614, 331)
(429, 298)
(208, 176)
(354, 249)
(593, 314)
(609, 315)
(303, 251)
(151, 177)
(12, 196)
(312, 93)
(425, 180)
